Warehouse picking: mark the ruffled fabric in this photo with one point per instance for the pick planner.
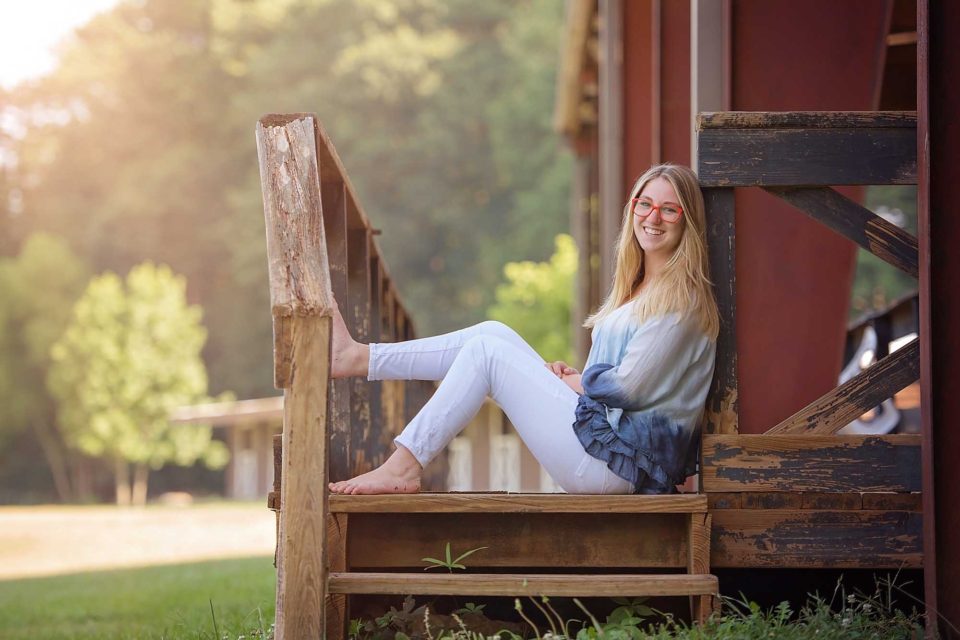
(647, 449)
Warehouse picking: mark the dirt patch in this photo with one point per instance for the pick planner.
(49, 540)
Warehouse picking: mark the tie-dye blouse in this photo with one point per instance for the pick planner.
(645, 386)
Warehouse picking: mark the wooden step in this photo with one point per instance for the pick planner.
(518, 503)
(514, 584)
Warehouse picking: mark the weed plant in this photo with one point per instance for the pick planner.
(847, 616)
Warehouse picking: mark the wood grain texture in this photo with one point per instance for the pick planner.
(296, 246)
(333, 196)
(761, 462)
(771, 500)
(723, 500)
(721, 414)
(301, 574)
(883, 239)
(338, 617)
(745, 538)
(698, 562)
(807, 120)
(494, 584)
(893, 501)
(518, 503)
(841, 406)
(528, 540)
(806, 156)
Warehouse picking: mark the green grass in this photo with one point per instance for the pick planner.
(169, 602)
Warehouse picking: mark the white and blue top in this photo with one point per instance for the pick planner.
(645, 385)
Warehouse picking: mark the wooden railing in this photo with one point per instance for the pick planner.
(800, 495)
(321, 247)
(799, 157)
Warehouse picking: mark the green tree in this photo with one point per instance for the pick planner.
(131, 354)
(38, 288)
(537, 298)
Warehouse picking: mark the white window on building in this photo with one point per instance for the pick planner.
(505, 462)
(460, 460)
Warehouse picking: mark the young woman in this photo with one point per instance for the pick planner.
(631, 422)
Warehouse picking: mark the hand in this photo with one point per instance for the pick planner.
(573, 381)
(560, 368)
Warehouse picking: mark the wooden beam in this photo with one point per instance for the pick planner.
(302, 302)
(883, 239)
(791, 463)
(509, 584)
(808, 538)
(302, 570)
(838, 408)
(358, 319)
(807, 120)
(806, 148)
(721, 415)
(517, 503)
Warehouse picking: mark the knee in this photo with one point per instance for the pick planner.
(484, 346)
(495, 328)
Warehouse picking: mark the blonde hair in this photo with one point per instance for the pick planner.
(683, 285)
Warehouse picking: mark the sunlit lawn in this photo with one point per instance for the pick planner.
(171, 601)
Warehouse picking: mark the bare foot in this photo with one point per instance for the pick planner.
(347, 355)
(399, 474)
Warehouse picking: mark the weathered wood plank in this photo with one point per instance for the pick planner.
(745, 538)
(296, 246)
(698, 562)
(528, 540)
(301, 574)
(883, 239)
(771, 500)
(518, 503)
(722, 405)
(761, 462)
(831, 501)
(723, 500)
(838, 408)
(358, 319)
(806, 120)
(741, 157)
(334, 197)
(893, 501)
(500, 584)
(338, 616)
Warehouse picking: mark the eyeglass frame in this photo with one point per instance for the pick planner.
(654, 207)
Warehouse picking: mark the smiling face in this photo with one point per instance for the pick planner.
(656, 236)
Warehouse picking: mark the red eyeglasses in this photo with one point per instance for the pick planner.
(669, 211)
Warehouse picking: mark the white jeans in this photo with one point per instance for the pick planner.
(490, 358)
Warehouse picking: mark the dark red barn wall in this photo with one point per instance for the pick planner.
(793, 274)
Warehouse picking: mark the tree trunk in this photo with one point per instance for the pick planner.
(121, 475)
(82, 473)
(53, 452)
(140, 474)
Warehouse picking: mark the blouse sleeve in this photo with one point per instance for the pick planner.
(657, 355)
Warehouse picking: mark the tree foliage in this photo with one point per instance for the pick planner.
(130, 354)
(38, 288)
(139, 146)
(537, 298)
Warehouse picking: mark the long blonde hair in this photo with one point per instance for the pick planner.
(683, 285)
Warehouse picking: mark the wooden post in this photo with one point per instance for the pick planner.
(302, 303)
(722, 401)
